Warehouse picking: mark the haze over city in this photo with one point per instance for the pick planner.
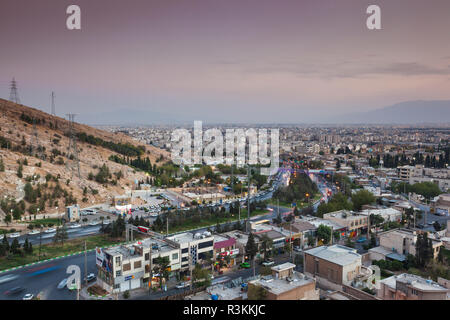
(224, 61)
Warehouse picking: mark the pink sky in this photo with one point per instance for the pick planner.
(219, 60)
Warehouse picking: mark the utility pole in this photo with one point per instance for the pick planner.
(85, 264)
(40, 243)
(167, 223)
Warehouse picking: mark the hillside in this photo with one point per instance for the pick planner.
(45, 165)
(410, 112)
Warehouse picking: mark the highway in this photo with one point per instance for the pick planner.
(36, 279)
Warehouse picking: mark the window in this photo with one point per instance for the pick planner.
(185, 250)
(117, 286)
(414, 292)
(205, 244)
(184, 259)
(137, 264)
(147, 256)
(118, 261)
(126, 267)
(175, 256)
(118, 273)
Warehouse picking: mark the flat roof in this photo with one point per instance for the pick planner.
(415, 281)
(283, 266)
(337, 254)
(278, 286)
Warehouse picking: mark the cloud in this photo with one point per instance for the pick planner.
(348, 69)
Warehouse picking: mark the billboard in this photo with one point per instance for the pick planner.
(103, 260)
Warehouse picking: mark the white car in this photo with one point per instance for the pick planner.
(62, 284)
(51, 230)
(182, 285)
(8, 278)
(33, 232)
(28, 296)
(94, 223)
(2, 236)
(14, 235)
(75, 226)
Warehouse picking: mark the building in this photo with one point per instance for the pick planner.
(334, 265)
(128, 267)
(442, 204)
(353, 222)
(411, 287)
(388, 214)
(396, 244)
(284, 284)
(198, 246)
(73, 213)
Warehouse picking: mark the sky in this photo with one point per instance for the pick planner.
(224, 60)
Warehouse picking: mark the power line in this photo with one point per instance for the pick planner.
(14, 95)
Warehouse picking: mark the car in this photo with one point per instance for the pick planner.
(28, 296)
(33, 232)
(268, 263)
(361, 240)
(8, 278)
(245, 265)
(430, 223)
(182, 285)
(50, 230)
(90, 277)
(2, 236)
(297, 249)
(14, 290)
(75, 226)
(94, 223)
(14, 235)
(62, 284)
(420, 226)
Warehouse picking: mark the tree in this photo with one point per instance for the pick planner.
(251, 248)
(324, 233)
(161, 265)
(201, 275)
(15, 246)
(424, 250)
(361, 198)
(20, 170)
(61, 235)
(256, 292)
(266, 244)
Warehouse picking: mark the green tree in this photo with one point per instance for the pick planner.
(20, 171)
(161, 265)
(251, 248)
(324, 233)
(362, 197)
(60, 235)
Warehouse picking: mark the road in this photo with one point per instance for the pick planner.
(48, 237)
(46, 283)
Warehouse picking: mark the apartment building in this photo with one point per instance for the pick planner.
(284, 284)
(396, 244)
(354, 222)
(128, 267)
(336, 264)
(411, 287)
(388, 214)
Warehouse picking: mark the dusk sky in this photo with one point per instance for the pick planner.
(225, 60)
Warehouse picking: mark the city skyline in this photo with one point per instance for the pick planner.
(251, 61)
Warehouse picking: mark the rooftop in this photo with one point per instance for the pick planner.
(278, 286)
(414, 281)
(283, 266)
(337, 254)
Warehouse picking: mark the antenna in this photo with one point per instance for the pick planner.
(13, 95)
(72, 150)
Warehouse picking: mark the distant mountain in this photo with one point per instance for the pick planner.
(410, 112)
